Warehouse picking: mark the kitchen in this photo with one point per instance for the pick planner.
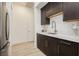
(58, 34)
(43, 29)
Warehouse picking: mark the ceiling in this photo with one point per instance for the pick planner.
(28, 4)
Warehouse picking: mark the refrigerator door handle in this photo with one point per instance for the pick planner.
(6, 24)
(8, 43)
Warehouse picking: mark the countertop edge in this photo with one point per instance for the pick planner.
(61, 36)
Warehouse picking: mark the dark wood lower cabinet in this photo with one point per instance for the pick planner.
(67, 48)
(52, 46)
(78, 49)
(42, 43)
(57, 47)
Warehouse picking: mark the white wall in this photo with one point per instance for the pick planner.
(21, 17)
(37, 17)
(37, 14)
(37, 23)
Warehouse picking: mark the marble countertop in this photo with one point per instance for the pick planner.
(61, 36)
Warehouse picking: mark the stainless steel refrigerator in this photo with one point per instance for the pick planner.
(4, 32)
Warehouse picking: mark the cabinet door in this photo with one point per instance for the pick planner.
(67, 48)
(39, 45)
(57, 7)
(42, 16)
(44, 19)
(53, 8)
(71, 10)
(42, 43)
(78, 49)
(53, 50)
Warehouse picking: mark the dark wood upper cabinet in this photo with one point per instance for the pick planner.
(53, 8)
(44, 19)
(49, 9)
(71, 11)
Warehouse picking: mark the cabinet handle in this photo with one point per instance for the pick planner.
(46, 43)
(67, 43)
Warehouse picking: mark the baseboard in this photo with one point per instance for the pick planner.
(21, 43)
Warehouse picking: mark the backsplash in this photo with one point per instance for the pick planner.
(67, 28)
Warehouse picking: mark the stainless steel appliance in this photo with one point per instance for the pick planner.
(4, 32)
